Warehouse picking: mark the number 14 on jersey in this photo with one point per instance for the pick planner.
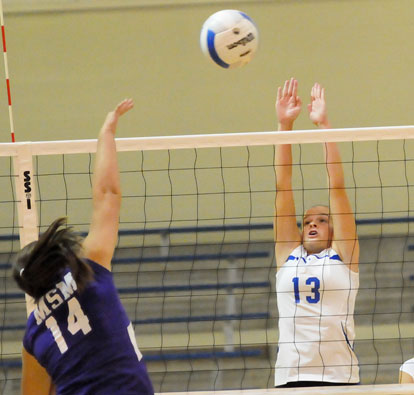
(77, 321)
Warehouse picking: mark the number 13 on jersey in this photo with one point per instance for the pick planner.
(314, 284)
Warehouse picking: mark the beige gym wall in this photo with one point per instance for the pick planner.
(70, 62)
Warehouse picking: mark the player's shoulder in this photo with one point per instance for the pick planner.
(331, 253)
(97, 268)
(292, 258)
(408, 366)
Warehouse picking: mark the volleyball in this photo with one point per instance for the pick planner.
(229, 38)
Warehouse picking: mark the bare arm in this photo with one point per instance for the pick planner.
(405, 378)
(100, 243)
(345, 238)
(286, 232)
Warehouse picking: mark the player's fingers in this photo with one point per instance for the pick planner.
(290, 88)
(285, 88)
(124, 106)
(313, 93)
(295, 88)
(318, 90)
(279, 93)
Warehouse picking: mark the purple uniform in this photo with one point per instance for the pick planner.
(86, 341)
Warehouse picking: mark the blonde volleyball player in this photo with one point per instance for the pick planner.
(79, 331)
(317, 266)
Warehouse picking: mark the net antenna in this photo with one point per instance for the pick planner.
(6, 71)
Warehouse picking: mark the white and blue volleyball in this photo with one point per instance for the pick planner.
(229, 38)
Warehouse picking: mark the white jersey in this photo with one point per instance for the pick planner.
(408, 367)
(316, 298)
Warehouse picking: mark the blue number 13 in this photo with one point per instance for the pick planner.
(310, 281)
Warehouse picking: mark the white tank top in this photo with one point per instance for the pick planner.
(408, 367)
(316, 298)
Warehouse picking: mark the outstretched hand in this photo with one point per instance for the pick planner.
(112, 117)
(124, 106)
(288, 104)
(317, 107)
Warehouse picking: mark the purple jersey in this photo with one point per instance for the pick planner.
(86, 341)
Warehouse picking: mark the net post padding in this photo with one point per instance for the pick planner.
(26, 206)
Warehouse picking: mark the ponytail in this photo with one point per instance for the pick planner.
(41, 264)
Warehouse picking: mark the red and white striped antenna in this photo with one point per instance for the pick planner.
(6, 70)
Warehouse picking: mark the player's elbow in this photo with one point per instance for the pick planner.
(112, 193)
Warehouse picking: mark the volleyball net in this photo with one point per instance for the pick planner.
(195, 263)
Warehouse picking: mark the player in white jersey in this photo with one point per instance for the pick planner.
(407, 372)
(317, 266)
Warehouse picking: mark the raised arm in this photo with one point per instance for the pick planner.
(100, 243)
(345, 238)
(286, 232)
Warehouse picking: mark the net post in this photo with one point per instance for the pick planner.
(26, 203)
